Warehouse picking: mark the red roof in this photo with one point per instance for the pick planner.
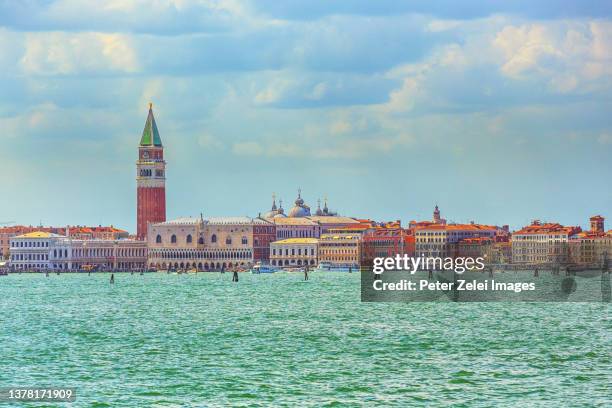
(548, 228)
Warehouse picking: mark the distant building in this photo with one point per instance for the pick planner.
(30, 251)
(264, 233)
(440, 240)
(99, 232)
(6, 233)
(341, 248)
(597, 224)
(295, 227)
(473, 247)
(150, 178)
(207, 244)
(591, 247)
(542, 243)
(75, 232)
(294, 252)
(329, 222)
(385, 240)
(42, 250)
(98, 254)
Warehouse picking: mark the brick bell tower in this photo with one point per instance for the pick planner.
(150, 178)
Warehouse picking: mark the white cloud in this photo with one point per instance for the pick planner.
(78, 53)
(569, 55)
(605, 139)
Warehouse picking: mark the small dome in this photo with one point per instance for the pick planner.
(300, 211)
(280, 215)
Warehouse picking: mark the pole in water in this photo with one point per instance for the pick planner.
(112, 280)
(235, 277)
(305, 274)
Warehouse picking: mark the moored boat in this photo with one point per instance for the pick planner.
(264, 268)
(325, 266)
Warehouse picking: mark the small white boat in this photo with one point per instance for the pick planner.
(325, 266)
(264, 268)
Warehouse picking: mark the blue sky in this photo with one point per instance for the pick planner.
(499, 112)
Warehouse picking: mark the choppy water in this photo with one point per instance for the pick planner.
(201, 340)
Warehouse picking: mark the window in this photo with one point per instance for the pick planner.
(228, 241)
(213, 238)
(189, 239)
(173, 239)
(158, 239)
(201, 241)
(245, 241)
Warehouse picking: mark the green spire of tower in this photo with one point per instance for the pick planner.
(150, 134)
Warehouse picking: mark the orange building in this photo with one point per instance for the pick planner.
(386, 240)
(543, 243)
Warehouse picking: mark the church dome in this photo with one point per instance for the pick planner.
(299, 209)
(274, 211)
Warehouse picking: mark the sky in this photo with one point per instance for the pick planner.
(499, 112)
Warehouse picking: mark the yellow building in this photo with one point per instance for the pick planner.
(294, 252)
(340, 249)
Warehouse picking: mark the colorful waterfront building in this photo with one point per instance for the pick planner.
(294, 252)
(264, 233)
(41, 250)
(385, 240)
(6, 233)
(295, 227)
(439, 240)
(74, 232)
(341, 248)
(150, 178)
(543, 243)
(329, 222)
(98, 254)
(593, 247)
(213, 243)
(30, 251)
(99, 232)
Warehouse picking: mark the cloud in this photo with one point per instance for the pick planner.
(81, 53)
(448, 9)
(569, 55)
(165, 17)
(605, 139)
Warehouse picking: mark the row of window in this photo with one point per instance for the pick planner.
(296, 234)
(189, 240)
(29, 244)
(293, 252)
(29, 257)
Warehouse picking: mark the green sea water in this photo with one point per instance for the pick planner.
(275, 340)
